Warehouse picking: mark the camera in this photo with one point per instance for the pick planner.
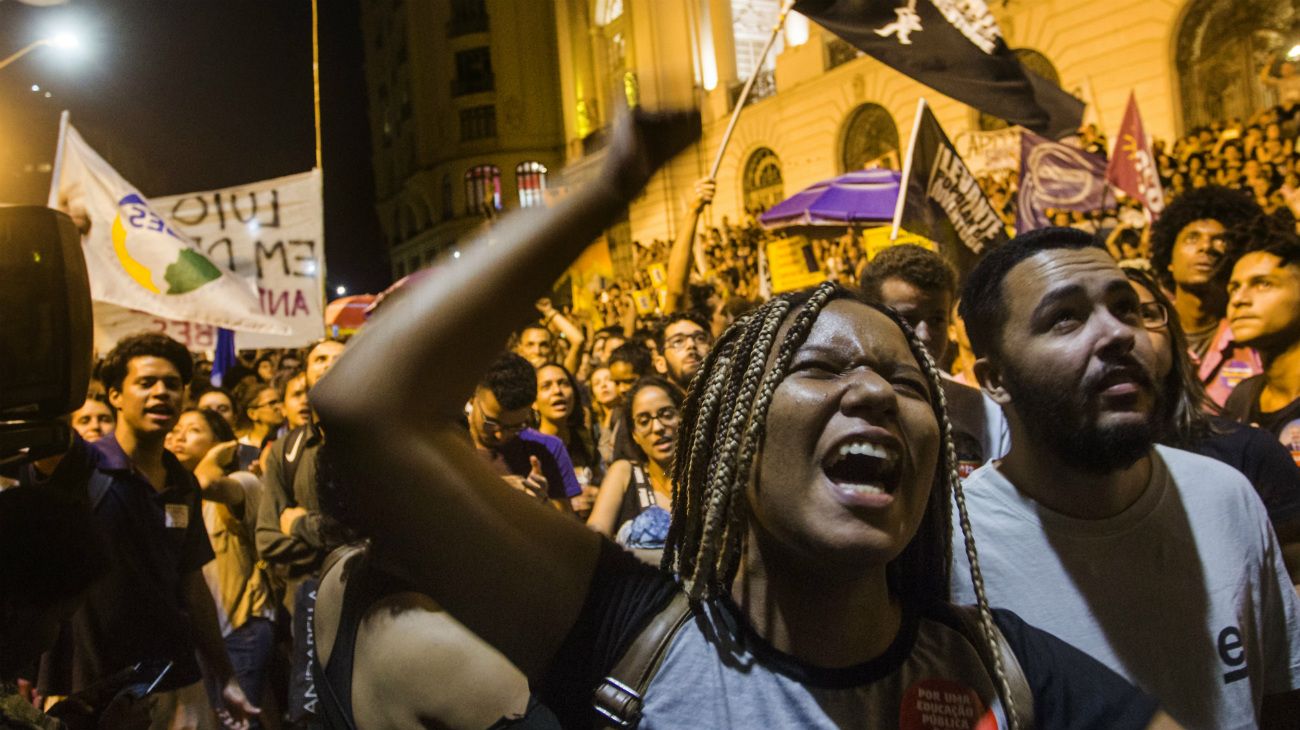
(45, 331)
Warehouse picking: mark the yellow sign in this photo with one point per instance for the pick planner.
(645, 301)
(793, 265)
(875, 240)
(658, 274)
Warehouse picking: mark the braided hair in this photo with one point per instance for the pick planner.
(723, 424)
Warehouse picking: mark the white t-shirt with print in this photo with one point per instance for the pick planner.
(1184, 593)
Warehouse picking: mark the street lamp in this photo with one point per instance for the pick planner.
(62, 40)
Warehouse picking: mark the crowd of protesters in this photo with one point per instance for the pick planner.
(401, 542)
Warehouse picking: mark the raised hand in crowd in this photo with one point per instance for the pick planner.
(540, 560)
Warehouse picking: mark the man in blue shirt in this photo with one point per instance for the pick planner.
(153, 605)
(499, 416)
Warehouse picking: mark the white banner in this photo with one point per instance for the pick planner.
(136, 259)
(270, 232)
(986, 152)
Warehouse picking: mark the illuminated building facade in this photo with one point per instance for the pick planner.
(465, 119)
(820, 108)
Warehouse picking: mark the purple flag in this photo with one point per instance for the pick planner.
(1058, 177)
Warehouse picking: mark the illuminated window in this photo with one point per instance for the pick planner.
(763, 183)
(482, 189)
(530, 177)
(752, 22)
(1225, 51)
(869, 137)
(607, 11)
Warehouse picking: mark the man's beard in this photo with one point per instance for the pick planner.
(1060, 419)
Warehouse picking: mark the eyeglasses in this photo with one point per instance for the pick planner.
(496, 426)
(667, 415)
(275, 402)
(1154, 315)
(681, 342)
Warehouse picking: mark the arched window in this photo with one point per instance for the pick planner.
(763, 184)
(751, 22)
(530, 178)
(607, 11)
(1221, 50)
(870, 136)
(1034, 62)
(482, 189)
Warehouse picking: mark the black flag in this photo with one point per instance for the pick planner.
(956, 48)
(941, 199)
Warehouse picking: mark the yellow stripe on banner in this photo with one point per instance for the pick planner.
(134, 269)
(875, 240)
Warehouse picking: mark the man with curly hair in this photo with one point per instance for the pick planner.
(153, 605)
(1190, 253)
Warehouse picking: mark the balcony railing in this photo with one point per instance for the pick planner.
(473, 85)
(764, 86)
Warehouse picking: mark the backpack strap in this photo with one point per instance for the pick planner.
(1022, 696)
(644, 492)
(619, 699)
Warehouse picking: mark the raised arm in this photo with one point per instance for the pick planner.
(679, 256)
(513, 570)
(556, 322)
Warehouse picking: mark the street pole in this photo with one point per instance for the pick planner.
(749, 84)
(26, 50)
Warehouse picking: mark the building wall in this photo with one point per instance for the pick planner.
(1102, 49)
(412, 74)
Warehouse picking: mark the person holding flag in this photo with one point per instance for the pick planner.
(136, 258)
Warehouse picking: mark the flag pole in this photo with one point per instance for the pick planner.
(749, 85)
(53, 201)
(315, 75)
(907, 170)
(320, 168)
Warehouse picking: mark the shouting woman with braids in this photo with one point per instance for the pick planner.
(805, 579)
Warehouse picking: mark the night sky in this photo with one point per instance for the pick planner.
(189, 95)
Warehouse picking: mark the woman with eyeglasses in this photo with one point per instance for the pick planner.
(637, 494)
(1198, 424)
(263, 415)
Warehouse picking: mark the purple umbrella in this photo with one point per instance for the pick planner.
(859, 198)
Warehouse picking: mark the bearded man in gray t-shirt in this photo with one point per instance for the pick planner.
(1157, 562)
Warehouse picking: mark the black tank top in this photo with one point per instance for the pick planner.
(364, 587)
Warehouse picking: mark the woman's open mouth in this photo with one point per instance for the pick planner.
(863, 472)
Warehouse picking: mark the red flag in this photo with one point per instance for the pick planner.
(1132, 167)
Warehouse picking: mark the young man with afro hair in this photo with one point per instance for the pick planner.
(1191, 254)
